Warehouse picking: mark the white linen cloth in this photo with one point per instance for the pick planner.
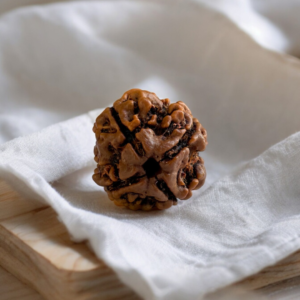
(61, 60)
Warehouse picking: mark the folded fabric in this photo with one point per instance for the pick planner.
(244, 222)
(248, 214)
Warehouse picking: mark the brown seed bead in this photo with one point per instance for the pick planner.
(147, 151)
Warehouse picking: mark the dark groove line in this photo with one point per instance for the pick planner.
(123, 183)
(129, 135)
(183, 142)
(161, 184)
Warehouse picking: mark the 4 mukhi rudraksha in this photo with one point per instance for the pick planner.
(147, 151)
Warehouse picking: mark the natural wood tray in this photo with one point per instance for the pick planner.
(36, 248)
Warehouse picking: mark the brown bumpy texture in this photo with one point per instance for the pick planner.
(147, 151)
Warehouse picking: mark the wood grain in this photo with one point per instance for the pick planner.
(13, 289)
(36, 248)
(285, 269)
(11, 204)
(284, 290)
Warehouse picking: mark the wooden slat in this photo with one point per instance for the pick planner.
(36, 248)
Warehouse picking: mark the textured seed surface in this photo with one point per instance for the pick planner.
(147, 151)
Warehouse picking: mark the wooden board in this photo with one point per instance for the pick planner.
(36, 248)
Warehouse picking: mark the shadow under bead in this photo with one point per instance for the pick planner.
(147, 151)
